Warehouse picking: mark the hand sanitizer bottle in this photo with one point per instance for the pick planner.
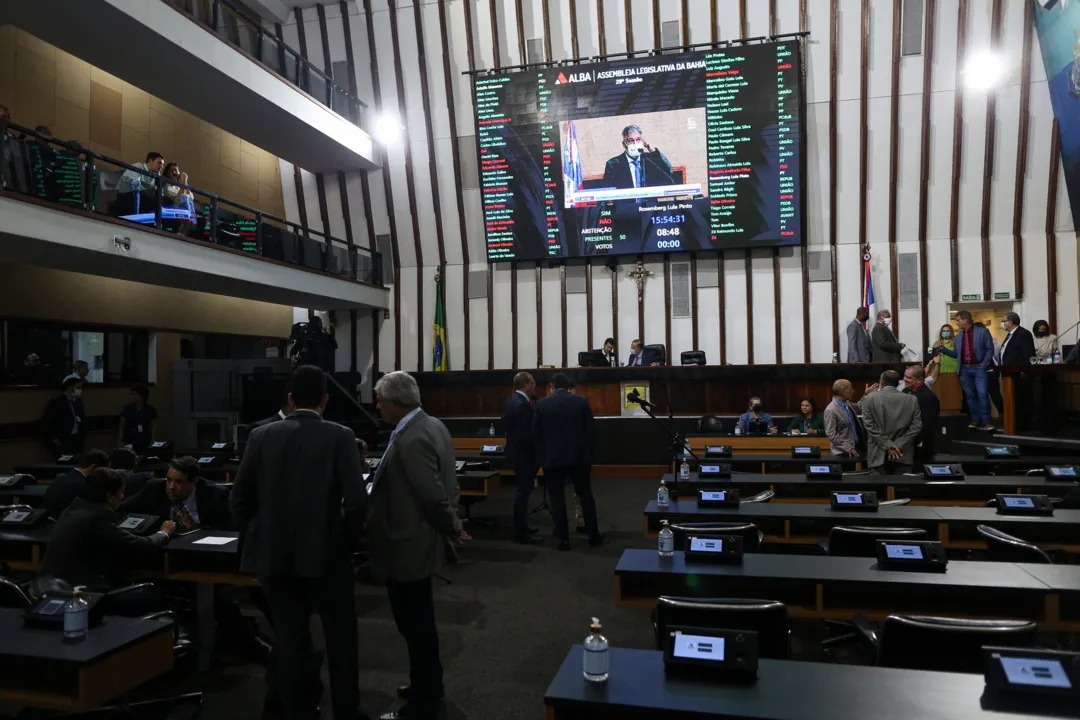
(666, 544)
(663, 497)
(684, 471)
(491, 430)
(595, 661)
(738, 429)
(76, 617)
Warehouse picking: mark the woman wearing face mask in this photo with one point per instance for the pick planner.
(942, 363)
(755, 415)
(1045, 342)
(808, 421)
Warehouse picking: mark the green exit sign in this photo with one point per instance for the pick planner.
(967, 298)
(1001, 296)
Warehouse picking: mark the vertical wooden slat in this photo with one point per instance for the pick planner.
(519, 14)
(301, 203)
(346, 210)
(324, 213)
(834, 62)
(539, 318)
(772, 17)
(667, 305)
(685, 22)
(354, 340)
(864, 130)
(388, 188)
(658, 41)
(894, 169)
(693, 303)
(547, 40)
(601, 31)
(513, 315)
(1021, 153)
(988, 154)
(301, 34)
(350, 59)
(588, 305)
(803, 26)
(433, 169)
(742, 18)
(455, 155)
(410, 187)
(614, 267)
(471, 50)
(562, 284)
(627, 15)
(924, 166)
(491, 319)
(575, 46)
(713, 12)
(1051, 235)
(957, 154)
(722, 324)
(749, 253)
(328, 65)
(492, 5)
(641, 309)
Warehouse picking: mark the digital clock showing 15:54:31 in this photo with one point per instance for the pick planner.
(668, 219)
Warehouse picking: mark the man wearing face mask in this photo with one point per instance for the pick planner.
(65, 420)
(640, 165)
(886, 347)
(858, 338)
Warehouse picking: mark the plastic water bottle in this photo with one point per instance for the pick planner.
(684, 471)
(663, 497)
(666, 544)
(1057, 356)
(491, 430)
(686, 449)
(595, 662)
(836, 357)
(738, 429)
(76, 617)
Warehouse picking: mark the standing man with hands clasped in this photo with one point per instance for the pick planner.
(414, 497)
(892, 421)
(520, 453)
(299, 502)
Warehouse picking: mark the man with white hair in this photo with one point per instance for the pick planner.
(887, 348)
(414, 497)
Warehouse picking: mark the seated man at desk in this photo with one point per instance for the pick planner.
(754, 421)
(65, 488)
(808, 421)
(88, 548)
(184, 497)
(124, 459)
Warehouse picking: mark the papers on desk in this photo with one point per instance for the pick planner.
(214, 540)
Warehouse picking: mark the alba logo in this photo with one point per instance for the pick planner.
(574, 77)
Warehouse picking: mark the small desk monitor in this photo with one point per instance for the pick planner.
(1062, 473)
(592, 358)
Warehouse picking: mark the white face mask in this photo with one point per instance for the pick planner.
(635, 149)
(1004, 326)
(885, 321)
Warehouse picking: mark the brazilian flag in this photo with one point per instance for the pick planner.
(439, 359)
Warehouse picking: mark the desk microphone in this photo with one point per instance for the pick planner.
(635, 397)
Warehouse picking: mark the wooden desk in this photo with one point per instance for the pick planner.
(843, 587)
(32, 495)
(38, 669)
(638, 687)
(766, 445)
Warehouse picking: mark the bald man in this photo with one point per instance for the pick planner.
(520, 453)
(841, 419)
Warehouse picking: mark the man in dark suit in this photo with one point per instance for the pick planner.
(299, 503)
(414, 497)
(929, 409)
(65, 488)
(640, 356)
(88, 548)
(639, 165)
(887, 348)
(520, 455)
(1019, 346)
(64, 420)
(563, 434)
(183, 497)
(124, 459)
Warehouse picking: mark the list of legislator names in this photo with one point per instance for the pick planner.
(788, 135)
(497, 177)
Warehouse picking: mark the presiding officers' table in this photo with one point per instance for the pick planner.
(842, 587)
(38, 669)
(638, 687)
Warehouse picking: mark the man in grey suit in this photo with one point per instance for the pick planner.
(414, 497)
(841, 420)
(892, 421)
(858, 337)
(886, 347)
(299, 502)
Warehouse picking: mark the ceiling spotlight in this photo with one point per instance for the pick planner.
(984, 70)
(387, 129)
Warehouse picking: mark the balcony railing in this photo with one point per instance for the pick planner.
(35, 164)
(234, 27)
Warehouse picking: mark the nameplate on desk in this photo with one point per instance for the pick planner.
(943, 472)
(492, 449)
(207, 460)
(139, 524)
(1024, 505)
(824, 472)
(712, 653)
(1066, 473)
(805, 451)
(911, 555)
(459, 465)
(855, 501)
(65, 459)
(717, 451)
(1002, 451)
(719, 470)
(724, 549)
(718, 498)
(221, 446)
(1039, 680)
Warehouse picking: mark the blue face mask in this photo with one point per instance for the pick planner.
(946, 334)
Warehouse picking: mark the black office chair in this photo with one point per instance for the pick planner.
(945, 644)
(862, 541)
(710, 425)
(659, 352)
(762, 497)
(749, 531)
(692, 357)
(768, 618)
(897, 501)
(1004, 547)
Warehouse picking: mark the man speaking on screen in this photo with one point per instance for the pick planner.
(640, 165)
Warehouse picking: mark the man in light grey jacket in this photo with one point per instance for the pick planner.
(858, 337)
(841, 420)
(414, 497)
(892, 421)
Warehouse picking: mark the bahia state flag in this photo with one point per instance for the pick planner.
(439, 359)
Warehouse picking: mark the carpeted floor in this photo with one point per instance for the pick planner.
(506, 622)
